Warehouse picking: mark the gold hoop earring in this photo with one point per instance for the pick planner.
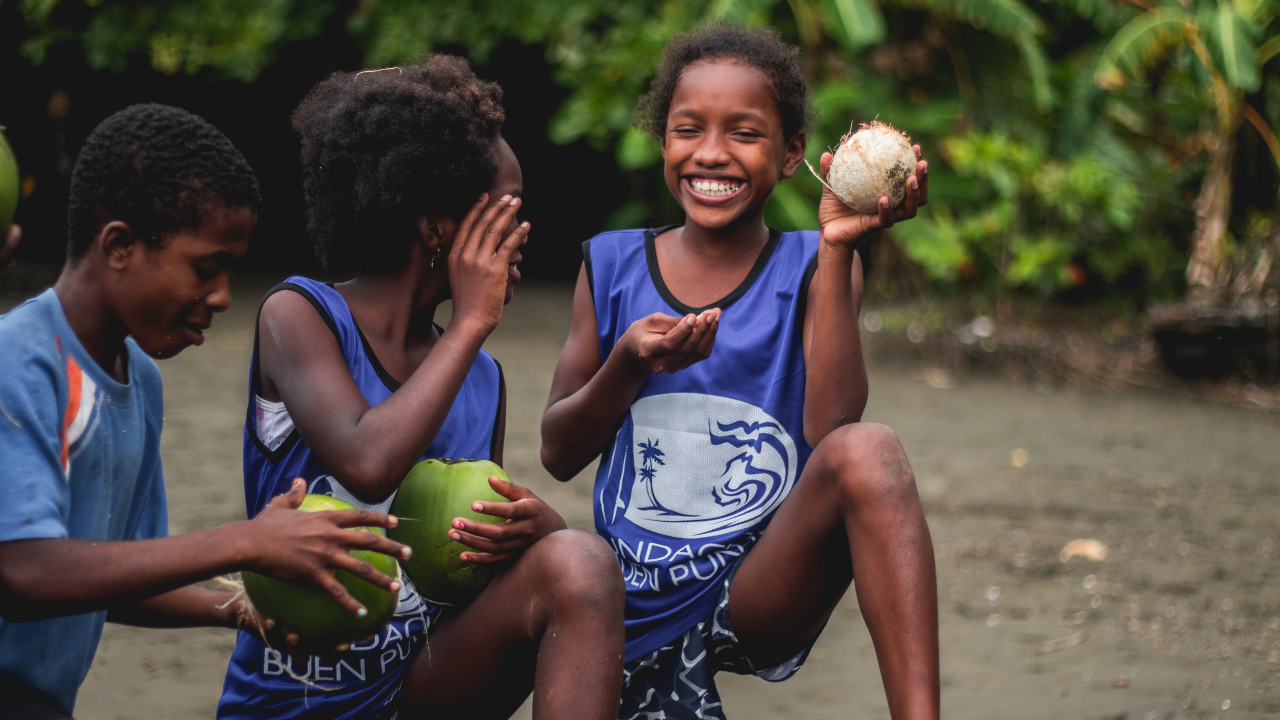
(434, 256)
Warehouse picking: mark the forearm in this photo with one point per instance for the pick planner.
(835, 374)
(388, 439)
(55, 577)
(577, 428)
(190, 606)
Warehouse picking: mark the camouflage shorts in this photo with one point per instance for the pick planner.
(677, 681)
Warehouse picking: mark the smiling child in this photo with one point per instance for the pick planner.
(716, 368)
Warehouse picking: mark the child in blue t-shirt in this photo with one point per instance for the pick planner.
(161, 208)
(352, 384)
(715, 368)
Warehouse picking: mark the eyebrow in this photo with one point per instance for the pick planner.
(738, 116)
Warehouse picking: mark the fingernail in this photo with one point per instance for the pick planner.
(406, 552)
(395, 586)
(475, 507)
(505, 199)
(515, 201)
(458, 523)
(268, 623)
(393, 520)
(465, 557)
(914, 183)
(362, 612)
(343, 648)
(454, 536)
(524, 225)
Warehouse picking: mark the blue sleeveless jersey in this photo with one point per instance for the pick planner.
(705, 456)
(365, 682)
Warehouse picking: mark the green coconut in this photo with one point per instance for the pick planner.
(310, 611)
(9, 187)
(434, 493)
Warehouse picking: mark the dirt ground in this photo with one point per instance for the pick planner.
(1182, 620)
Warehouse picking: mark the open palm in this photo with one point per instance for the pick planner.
(842, 225)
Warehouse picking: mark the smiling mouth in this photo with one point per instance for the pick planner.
(714, 188)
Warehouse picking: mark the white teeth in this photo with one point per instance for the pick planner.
(712, 187)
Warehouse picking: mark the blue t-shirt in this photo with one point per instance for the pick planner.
(365, 682)
(80, 454)
(705, 456)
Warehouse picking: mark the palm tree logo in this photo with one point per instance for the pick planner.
(650, 457)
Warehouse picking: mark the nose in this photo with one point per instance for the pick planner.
(220, 298)
(712, 151)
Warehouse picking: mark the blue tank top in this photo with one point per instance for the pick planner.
(365, 682)
(705, 456)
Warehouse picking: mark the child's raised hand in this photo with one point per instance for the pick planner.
(529, 519)
(664, 344)
(293, 545)
(842, 225)
(479, 260)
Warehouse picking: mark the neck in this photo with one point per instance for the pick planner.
(86, 305)
(397, 306)
(744, 237)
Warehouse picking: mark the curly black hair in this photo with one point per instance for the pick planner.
(760, 48)
(157, 168)
(382, 148)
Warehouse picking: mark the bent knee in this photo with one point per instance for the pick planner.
(866, 461)
(578, 566)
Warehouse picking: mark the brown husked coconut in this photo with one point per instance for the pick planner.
(873, 162)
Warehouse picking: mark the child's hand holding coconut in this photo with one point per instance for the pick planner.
(875, 178)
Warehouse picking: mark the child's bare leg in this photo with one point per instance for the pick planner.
(854, 513)
(550, 624)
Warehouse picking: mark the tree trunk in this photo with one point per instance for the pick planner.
(1207, 272)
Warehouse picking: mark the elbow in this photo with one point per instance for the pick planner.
(555, 464)
(371, 480)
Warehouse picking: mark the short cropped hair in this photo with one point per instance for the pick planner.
(760, 48)
(158, 168)
(382, 148)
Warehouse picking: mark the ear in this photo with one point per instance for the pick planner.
(117, 244)
(437, 232)
(794, 154)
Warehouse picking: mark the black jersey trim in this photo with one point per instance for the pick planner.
(586, 263)
(497, 414)
(802, 302)
(651, 255)
(255, 376)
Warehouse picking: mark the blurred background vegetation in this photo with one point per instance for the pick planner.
(1088, 151)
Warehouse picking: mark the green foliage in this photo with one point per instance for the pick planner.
(1058, 149)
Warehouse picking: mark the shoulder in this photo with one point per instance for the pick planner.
(29, 340)
(613, 241)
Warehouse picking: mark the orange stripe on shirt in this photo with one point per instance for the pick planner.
(75, 381)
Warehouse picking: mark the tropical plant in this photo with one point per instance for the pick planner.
(1231, 41)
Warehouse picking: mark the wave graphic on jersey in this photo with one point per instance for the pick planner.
(704, 465)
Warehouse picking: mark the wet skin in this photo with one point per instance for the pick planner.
(854, 513)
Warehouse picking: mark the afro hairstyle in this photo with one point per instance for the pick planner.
(383, 148)
(760, 48)
(158, 168)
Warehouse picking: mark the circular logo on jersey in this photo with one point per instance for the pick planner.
(704, 465)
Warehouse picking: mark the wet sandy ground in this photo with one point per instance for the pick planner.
(1181, 621)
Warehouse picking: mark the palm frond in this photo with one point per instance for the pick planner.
(1231, 41)
(1141, 42)
(1007, 18)
(861, 20)
(1038, 70)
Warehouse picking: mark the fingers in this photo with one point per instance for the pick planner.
(362, 569)
(514, 241)
(475, 239)
(362, 518)
(884, 213)
(469, 221)
(825, 163)
(508, 490)
(487, 557)
(698, 347)
(911, 202)
(330, 584)
(292, 499)
(484, 544)
(503, 219)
